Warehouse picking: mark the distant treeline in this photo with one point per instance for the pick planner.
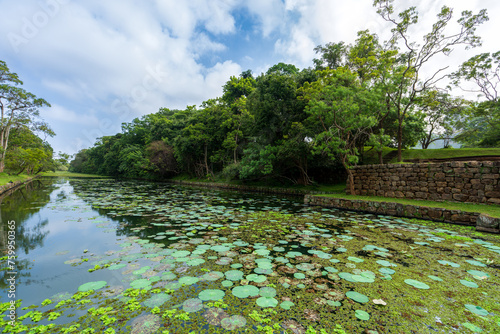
(299, 126)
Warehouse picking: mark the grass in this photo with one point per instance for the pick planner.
(70, 174)
(269, 183)
(6, 178)
(371, 157)
(492, 210)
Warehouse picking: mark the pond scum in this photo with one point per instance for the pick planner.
(213, 269)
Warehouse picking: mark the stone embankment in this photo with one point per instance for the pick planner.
(482, 222)
(470, 182)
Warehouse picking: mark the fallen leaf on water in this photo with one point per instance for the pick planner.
(379, 302)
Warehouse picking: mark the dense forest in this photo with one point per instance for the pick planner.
(308, 125)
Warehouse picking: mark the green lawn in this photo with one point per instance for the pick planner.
(492, 210)
(70, 174)
(443, 153)
(6, 178)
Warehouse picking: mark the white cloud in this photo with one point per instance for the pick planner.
(270, 13)
(59, 113)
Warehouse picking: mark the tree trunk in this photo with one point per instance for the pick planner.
(400, 140)
(206, 159)
(380, 159)
(350, 177)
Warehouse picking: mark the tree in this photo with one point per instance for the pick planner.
(28, 153)
(332, 55)
(408, 74)
(483, 71)
(441, 110)
(17, 107)
(342, 108)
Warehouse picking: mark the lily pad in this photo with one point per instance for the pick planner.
(245, 291)
(362, 315)
(92, 286)
(233, 322)
(192, 305)
(188, 280)
(140, 283)
(476, 309)
(267, 292)
(157, 300)
(267, 302)
(472, 327)
(211, 294)
(286, 305)
(357, 297)
(416, 284)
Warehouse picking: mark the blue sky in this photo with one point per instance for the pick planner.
(101, 63)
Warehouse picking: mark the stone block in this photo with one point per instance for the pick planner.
(460, 197)
(486, 221)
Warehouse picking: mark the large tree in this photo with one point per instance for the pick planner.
(17, 108)
(412, 75)
(341, 107)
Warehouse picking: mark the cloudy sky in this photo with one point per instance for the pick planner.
(101, 63)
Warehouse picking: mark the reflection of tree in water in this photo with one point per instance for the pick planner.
(21, 205)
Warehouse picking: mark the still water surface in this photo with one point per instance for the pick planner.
(170, 258)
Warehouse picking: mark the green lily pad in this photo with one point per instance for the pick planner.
(181, 253)
(245, 291)
(362, 315)
(117, 266)
(476, 309)
(157, 300)
(416, 284)
(387, 271)
(386, 263)
(435, 278)
(468, 283)
(472, 327)
(211, 294)
(286, 305)
(355, 259)
(476, 263)
(213, 276)
(140, 283)
(448, 263)
(267, 292)
(227, 283)
(188, 280)
(195, 262)
(357, 297)
(92, 286)
(347, 277)
(256, 278)
(299, 275)
(478, 273)
(234, 275)
(267, 302)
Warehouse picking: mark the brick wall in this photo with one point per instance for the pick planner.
(470, 181)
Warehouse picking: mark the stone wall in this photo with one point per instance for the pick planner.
(471, 181)
(481, 222)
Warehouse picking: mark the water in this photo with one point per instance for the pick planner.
(182, 249)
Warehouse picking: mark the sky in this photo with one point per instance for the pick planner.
(102, 63)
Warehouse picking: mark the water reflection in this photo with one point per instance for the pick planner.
(21, 205)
